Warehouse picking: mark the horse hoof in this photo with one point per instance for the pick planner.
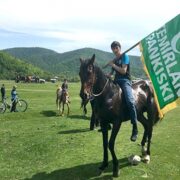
(116, 170)
(146, 159)
(103, 166)
(116, 173)
(100, 172)
(92, 128)
(99, 130)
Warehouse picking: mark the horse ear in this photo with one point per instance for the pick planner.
(92, 59)
(81, 60)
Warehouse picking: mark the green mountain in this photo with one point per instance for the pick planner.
(67, 64)
(11, 66)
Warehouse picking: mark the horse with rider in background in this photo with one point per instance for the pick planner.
(62, 98)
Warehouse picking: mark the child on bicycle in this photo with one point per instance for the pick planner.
(14, 99)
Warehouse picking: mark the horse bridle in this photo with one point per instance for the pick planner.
(96, 95)
(91, 84)
(91, 87)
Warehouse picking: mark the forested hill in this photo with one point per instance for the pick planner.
(67, 64)
(10, 67)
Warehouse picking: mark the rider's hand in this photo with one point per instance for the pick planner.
(109, 75)
(111, 63)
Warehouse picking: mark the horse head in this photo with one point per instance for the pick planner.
(87, 76)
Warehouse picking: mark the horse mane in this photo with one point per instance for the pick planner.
(102, 76)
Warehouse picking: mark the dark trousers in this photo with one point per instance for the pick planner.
(2, 97)
(126, 87)
(13, 108)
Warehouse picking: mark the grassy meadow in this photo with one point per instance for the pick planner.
(40, 145)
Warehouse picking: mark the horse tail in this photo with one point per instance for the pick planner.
(152, 110)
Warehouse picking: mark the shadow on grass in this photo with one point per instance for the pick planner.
(48, 113)
(87, 171)
(73, 131)
(82, 117)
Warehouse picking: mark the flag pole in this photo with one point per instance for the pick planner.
(130, 48)
(126, 51)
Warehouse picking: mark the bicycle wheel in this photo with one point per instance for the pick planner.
(2, 107)
(21, 105)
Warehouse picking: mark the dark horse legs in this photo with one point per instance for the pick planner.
(148, 128)
(115, 130)
(94, 122)
(105, 146)
(144, 122)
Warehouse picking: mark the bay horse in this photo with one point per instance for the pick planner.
(111, 108)
(62, 97)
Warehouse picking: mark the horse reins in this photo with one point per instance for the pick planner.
(96, 95)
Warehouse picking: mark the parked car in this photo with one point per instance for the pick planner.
(42, 80)
(53, 80)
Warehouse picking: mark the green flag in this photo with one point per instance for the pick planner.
(161, 58)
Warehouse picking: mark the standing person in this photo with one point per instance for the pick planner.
(120, 64)
(14, 99)
(3, 92)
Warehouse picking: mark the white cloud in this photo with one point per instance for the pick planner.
(86, 23)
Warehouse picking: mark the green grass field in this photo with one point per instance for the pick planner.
(40, 145)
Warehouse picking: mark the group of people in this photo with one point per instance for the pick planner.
(13, 96)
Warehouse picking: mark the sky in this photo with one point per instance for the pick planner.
(65, 25)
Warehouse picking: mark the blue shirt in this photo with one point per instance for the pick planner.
(13, 95)
(119, 62)
(125, 59)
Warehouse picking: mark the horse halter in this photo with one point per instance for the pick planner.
(96, 95)
(91, 83)
(91, 87)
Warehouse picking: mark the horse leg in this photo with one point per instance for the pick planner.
(83, 105)
(57, 104)
(59, 107)
(148, 127)
(143, 142)
(68, 109)
(92, 121)
(96, 121)
(152, 114)
(105, 147)
(147, 157)
(143, 121)
(62, 114)
(84, 110)
(115, 130)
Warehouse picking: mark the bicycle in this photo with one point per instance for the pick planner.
(21, 105)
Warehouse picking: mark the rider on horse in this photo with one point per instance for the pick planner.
(120, 64)
(65, 89)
